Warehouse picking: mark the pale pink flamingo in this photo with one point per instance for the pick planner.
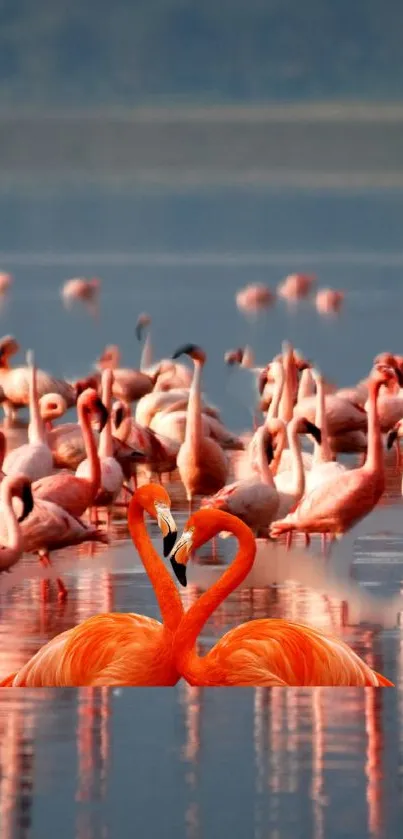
(75, 493)
(11, 548)
(33, 459)
(342, 415)
(49, 528)
(390, 409)
(290, 483)
(111, 480)
(173, 424)
(160, 452)
(170, 374)
(328, 301)
(335, 506)
(296, 286)
(14, 382)
(202, 465)
(256, 500)
(254, 297)
(162, 401)
(81, 289)
(128, 385)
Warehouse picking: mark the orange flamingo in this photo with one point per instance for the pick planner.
(75, 493)
(340, 502)
(265, 652)
(202, 464)
(119, 649)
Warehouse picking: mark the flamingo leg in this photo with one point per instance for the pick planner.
(288, 540)
(44, 559)
(307, 540)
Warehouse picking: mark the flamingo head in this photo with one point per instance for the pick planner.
(143, 321)
(21, 488)
(154, 499)
(91, 403)
(383, 374)
(394, 434)
(52, 406)
(109, 358)
(304, 426)
(193, 351)
(119, 413)
(8, 347)
(232, 357)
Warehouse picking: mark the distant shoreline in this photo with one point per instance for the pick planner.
(310, 146)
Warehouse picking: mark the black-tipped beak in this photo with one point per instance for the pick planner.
(119, 415)
(391, 438)
(186, 349)
(315, 432)
(139, 330)
(180, 572)
(169, 542)
(103, 414)
(399, 376)
(28, 502)
(269, 450)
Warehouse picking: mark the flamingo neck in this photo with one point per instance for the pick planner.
(2, 448)
(14, 536)
(165, 590)
(105, 445)
(297, 469)
(190, 665)
(374, 459)
(193, 435)
(286, 407)
(90, 449)
(322, 452)
(36, 428)
(146, 359)
(265, 472)
(273, 409)
(306, 386)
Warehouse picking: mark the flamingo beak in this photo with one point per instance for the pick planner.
(103, 414)
(180, 555)
(186, 349)
(314, 431)
(119, 416)
(167, 526)
(139, 330)
(391, 438)
(28, 502)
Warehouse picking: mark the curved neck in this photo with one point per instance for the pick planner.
(297, 470)
(105, 445)
(273, 409)
(248, 358)
(193, 433)
(146, 358)
(265, 472)
(374, 458)
(322, 452)
(189, 664)
(2, 448)
(164, 587)
(36, 428)
(90, 448)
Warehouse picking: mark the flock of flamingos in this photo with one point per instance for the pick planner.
(263, 484)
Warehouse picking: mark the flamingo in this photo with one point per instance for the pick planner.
(51, 406)
(12, 548)
(290, 483)
(254, 297)
(119, 649)
(15, 382)
(128, 385)
(265, 652)
(170, 374)
(80, 289)
(160, 452)
(296, 286)
(149, 406)
(201, 461)
(323, 465)
(328, 301)
(343, 500)
(74, 493)
(111, 477)
(33, 459)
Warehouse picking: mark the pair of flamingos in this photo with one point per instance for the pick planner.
(134, 650)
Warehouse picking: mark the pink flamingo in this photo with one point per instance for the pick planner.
(15, 382)
(290, 483)
(81, 289)
(170, 374)
(328, 301)
(335, 506)
(6, 281)
(296, 286)
(128, 385)
(254, 297)
(323, 466)
(33, 459)
(12, 547)
(160, 452)
(158, 402)
(201, 462)
(111, 478)
(75, 493)
(51, 406)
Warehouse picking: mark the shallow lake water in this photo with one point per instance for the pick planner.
(187, 762)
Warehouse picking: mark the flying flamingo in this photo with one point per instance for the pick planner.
(80, 289)
(15, 382)
(342, 501)
(201, 461)
(119, 649)
(296, 286)
(33, 459)
(111, 479)
(75, 493)
(328, 301)
(11, 550)
(265, 652)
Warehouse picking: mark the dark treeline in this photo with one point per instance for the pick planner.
(92, 52)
